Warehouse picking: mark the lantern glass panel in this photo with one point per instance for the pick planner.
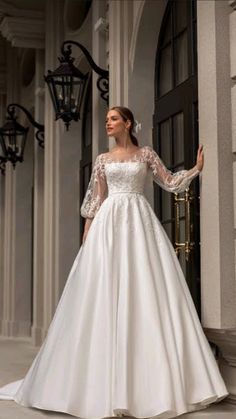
(19, 143)
(54, 94)
(59, 93)
(79, 87)
(10, 141)
(15, 142)
(1, 149)
(67, 94)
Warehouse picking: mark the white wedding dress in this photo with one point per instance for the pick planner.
(125, 338)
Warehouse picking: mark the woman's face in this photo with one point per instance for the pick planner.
(115, 125)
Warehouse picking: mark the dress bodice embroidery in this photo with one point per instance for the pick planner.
(111, 175)
(126, 177)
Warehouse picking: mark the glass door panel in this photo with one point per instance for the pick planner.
(175, 131)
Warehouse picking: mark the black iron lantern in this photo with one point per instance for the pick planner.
(67, 84)
(13, 138)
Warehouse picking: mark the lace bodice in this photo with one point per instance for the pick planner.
(125, 177)
(111, 175)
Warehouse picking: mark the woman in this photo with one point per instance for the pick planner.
(125, 338)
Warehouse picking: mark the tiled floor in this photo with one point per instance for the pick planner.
(15, 359)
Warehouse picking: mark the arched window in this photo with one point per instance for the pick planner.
(175, 125)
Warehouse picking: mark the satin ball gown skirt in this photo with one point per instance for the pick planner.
(125, 337)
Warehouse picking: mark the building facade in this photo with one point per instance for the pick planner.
(174, 64)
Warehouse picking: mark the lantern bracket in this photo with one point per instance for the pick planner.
(102, 81)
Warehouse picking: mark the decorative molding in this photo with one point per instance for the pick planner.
(23, 32)
(232, 3)
(40, 91)
(7, 9)
(37, 335)
(14, 328)
(226, 341)
(231, 399)
(101, 25)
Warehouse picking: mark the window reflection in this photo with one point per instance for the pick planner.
(166, 205)
(165, 141)
(178, 130)
(181, 58)
(165, 71)
(180, 15)
(174, 43)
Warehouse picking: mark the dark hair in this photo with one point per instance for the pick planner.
(126, 115)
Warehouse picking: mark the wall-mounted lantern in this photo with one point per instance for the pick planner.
(67, 84)
(13, 136)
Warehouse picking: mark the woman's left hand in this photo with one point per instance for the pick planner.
(200, 158)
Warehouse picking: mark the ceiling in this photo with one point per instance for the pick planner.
(24, 4)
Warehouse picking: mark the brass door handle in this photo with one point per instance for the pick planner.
(188, 245)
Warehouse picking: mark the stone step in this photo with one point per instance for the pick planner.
(222, 410)
(11, 410)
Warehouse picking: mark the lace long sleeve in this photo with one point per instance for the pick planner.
(171, 182)
(96, 191)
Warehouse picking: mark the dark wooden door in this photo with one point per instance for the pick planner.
(175, 127)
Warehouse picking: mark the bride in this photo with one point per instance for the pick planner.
(125, 338)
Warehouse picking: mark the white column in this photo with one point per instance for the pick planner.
(9, 208)
(8, 252)
(38, 245)
(115, 53)
(120, 29)
(99, 42)
(217, 207)
(53, 133)
(21, 259)
(217, 238)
